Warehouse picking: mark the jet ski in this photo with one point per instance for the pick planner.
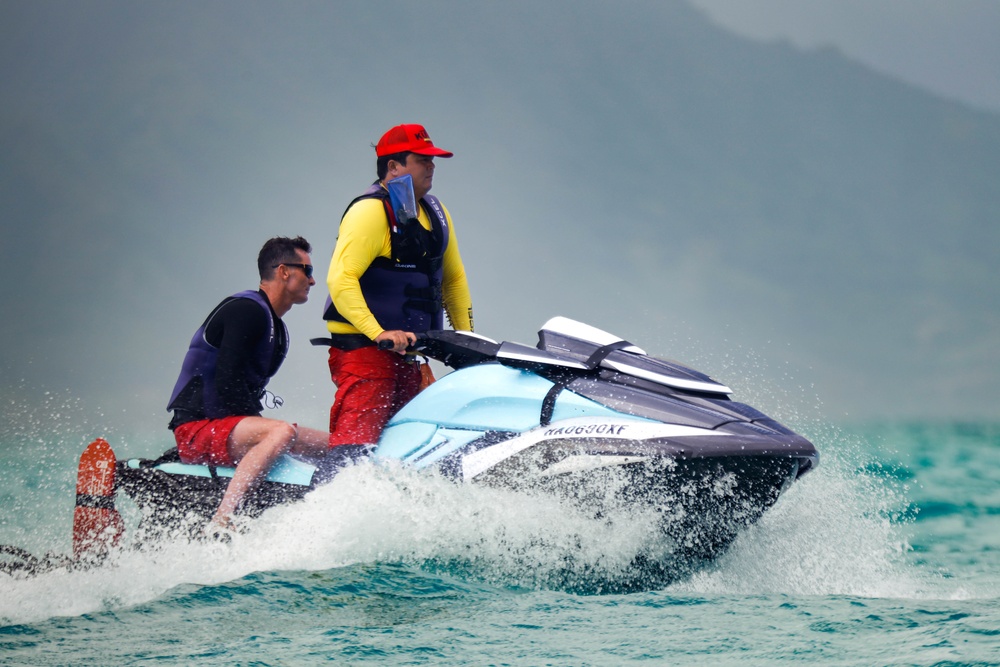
(583, 413)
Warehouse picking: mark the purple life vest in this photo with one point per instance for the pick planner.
(196, 392)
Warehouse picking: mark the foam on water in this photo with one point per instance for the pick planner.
(831, 534)
(836, 532)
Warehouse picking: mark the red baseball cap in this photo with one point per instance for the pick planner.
(408, 139)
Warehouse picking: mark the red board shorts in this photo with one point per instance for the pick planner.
(206, 441)
(372, 385)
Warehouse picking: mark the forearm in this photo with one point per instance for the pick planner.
(458, 303)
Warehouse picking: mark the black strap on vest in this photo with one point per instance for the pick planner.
(427, 299)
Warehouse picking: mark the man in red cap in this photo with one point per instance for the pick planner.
(395, 271)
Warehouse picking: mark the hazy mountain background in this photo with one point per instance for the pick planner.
(821, 237)
(946, 47)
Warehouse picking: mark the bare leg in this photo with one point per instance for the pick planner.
(255, 444)
(310, 442)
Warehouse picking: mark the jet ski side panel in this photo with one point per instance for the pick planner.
(464, 405)
(485, 397)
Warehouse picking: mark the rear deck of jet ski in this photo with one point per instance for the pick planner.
(173, 496)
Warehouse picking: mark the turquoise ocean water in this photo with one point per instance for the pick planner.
(888, 554)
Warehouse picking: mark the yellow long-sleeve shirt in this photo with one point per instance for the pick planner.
(364, 236)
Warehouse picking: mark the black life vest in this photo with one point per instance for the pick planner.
(404, 292)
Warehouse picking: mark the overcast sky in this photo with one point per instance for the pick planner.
(951, 47)
(149, 148)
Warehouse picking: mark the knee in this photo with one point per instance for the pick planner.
(287, 432)
(282, 435)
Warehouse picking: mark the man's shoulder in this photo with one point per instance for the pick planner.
(365, 214)
(243, 307)
(366, 205)
(238, 318)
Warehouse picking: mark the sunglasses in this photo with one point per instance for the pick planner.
(306, 268)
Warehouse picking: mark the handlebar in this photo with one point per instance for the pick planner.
(388, 344)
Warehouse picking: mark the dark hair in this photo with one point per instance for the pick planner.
(382, 163)
(279, 250)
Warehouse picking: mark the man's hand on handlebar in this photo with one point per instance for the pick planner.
(397, 341)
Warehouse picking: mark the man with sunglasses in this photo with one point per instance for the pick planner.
(217, 398)
(391, 276)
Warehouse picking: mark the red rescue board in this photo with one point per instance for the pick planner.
(97, 526)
